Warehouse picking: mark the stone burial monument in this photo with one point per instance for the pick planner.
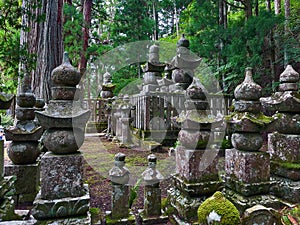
(63, 193)
(23, 151)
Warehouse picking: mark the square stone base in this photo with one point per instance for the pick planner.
(62, 175)
(284, 147)
(130, 220)
(185, 205)
(287, 170)
(80, 220)
(247, 167)
(63, 207)
(286, 189)
(27, 181)
(152, 220)
(242, 202)
(248, 189)
(195, 166)
(199, 188)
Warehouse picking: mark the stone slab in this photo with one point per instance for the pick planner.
(197, 165)
(242, 203)
(152, 201)
(247, 167)
(259, 214)
(152, 220)
(284, 147)
(27, 177)
(185, 205)
(286, 189)
(130, 220)
(287, 171)
(63, 207)
(248, 189)
(62, 176)
(120, 199)
(199, 188)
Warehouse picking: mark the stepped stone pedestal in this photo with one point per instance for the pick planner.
(7, 204)
(63, 194)
(196, 161)
(284, 144)
(247, 168)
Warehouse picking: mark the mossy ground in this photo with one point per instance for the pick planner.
(99, 159)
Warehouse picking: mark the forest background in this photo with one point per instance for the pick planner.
(229, 35)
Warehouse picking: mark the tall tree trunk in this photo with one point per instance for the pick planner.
(277, 7)
(155, 18)
(28, 43)
(248, 9)
(42, 38)
(287, 14)
(50, 47)
(256, 8)
(87, 11)
(268, 5)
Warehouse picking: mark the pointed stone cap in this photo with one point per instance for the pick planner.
(119, 174)
(196, 90)
(248, 90)
(183, 42)
(154, 48)
(151, 175)
(65, 74)
(289, 75)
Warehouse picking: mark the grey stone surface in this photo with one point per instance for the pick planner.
(261, 215)
(23, 152)
(27, 177)
(284, 147)
(63, 141)
(247, 167)
(247, 141)
(61, 176)
(197, 165)
(120, 201)
(286, 189)
(61, 207)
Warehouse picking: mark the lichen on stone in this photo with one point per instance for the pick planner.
(218, 204)
(256, 118)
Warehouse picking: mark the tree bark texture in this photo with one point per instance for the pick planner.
(87, 11)
(42, 38)
(277, 6)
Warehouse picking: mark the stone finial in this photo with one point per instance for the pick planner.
(196, 90)
(151, 175)
(65, 74)
(289, 75)
(154, 53)
(119, 174)
(248, 89)
(183, 42)
(289, 80)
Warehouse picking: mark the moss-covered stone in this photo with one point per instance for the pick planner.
(222, 209)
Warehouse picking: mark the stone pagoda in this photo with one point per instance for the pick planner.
(153, 70)
(247, 168)
(183, 66)
(196, 160)
(284, 144)
(23, 151)
(7, 206)
(63, 193)
(107, 86)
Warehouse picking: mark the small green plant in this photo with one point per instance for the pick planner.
(7, 120)
(177, 143)
(133, 192)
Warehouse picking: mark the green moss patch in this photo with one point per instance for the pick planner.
(218, 209)
(256, 118)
